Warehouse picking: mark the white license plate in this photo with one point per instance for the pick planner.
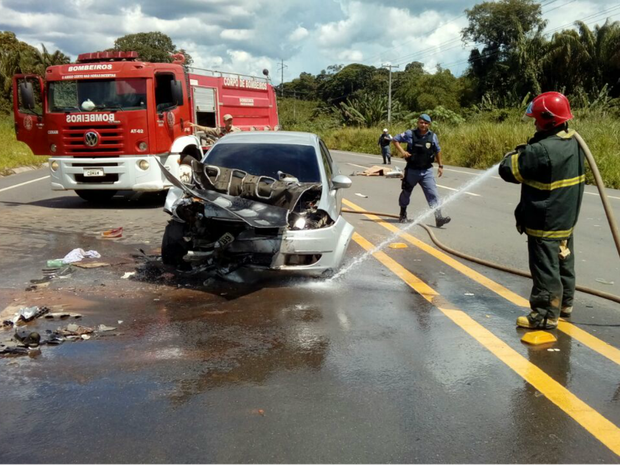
(93, 172)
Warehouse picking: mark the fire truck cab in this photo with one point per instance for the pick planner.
(104, 119)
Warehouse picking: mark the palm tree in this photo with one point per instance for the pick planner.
(584, 60)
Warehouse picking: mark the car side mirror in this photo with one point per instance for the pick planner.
(341, 182)
(27, 94)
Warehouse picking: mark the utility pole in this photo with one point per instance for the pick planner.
(281, 67)
(390, 91)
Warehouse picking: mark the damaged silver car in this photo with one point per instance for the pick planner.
(267, 201)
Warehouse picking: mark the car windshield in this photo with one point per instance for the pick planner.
(267, 159)
(97, 94)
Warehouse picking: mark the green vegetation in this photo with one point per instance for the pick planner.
(479, 141)
(12, 152)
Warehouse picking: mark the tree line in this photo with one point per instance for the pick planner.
(510, 61)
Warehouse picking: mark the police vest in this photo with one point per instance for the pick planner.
(422, 151)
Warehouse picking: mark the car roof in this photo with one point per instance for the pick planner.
(270, 137)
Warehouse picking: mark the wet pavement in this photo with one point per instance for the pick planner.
(362, 369)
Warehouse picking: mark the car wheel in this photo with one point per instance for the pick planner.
(173, 246)
(96, 196)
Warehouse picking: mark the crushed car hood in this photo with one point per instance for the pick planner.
(259, 201)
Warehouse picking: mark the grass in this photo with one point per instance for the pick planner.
(13, 153)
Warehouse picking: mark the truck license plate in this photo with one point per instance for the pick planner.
(93, 172)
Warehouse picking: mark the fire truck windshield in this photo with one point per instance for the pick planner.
(97, 95)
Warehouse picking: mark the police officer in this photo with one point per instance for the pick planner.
(551, 171)
(422, 149)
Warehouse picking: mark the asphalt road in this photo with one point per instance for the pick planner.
(411, 356)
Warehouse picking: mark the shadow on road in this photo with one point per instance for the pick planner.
(126, 200)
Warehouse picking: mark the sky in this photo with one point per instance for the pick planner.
(247, 36)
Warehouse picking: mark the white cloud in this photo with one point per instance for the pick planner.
(249, 35)
(237, 34)
(298, 34)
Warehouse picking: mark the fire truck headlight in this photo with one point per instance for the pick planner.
(142, 146)
(54, 165)
(143, 165)
(53, 148)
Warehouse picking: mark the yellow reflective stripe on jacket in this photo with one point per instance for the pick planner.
(515, 167)
(556, 184)
(549, 234)
(566, 134)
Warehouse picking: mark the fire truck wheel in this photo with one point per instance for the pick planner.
(95, 196)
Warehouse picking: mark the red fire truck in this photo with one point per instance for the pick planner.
(105, 118)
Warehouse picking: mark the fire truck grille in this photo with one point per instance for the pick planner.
(111, 140)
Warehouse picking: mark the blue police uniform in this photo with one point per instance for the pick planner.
(419, 170)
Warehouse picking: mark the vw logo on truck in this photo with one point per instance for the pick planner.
(91, 138)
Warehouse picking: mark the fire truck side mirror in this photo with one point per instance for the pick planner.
(26, 93)
(176, 89)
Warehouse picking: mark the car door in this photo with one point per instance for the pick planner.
(29, 123)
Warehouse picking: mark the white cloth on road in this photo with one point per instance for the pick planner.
(77, 255)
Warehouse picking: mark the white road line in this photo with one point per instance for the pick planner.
(598, 195)
(359, 166)
(456, 190)
(23, 184)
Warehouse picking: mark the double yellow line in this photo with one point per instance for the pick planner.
(595, 423)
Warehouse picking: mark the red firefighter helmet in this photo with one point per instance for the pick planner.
(549, 110)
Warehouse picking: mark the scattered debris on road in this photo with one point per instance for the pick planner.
(77, 255)
(112, 233)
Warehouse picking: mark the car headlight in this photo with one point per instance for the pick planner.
(142, 146)
(143, 165)
(53, 148)
(300, 223)
(54, 165)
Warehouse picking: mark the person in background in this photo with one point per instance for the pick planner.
(422, 149)
(551, 171)
(384, 143)
(218, 132)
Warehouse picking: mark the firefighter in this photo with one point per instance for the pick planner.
(551, 171)
(218, 132)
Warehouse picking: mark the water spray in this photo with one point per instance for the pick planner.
(431, 211)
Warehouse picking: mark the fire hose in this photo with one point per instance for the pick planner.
(608, 212)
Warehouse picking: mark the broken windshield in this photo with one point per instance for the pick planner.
(97, 95)
(267, 159)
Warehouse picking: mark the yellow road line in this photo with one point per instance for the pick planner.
(595, 344)
(595, 423)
